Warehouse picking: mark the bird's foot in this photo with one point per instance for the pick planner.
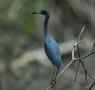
(53, 83)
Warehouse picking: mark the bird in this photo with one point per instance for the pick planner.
(51, 48)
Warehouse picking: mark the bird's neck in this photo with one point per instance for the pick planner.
(46, 25)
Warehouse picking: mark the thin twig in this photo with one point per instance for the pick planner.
(50, 87)
(76, 59)
(86, 79)
(73, 54)
(94, 81)
(82, 63)
(77, 71)
(91, 86)
(93, 47)
(79, 42)
(86, 72)
(77, 45)
(65, 68)
(82, 30)
(78, 51)
(68, 65)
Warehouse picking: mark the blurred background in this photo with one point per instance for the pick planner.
(23, 63)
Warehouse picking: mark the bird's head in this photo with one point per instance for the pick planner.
(42, 12)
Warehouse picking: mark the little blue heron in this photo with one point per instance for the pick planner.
(51, 48)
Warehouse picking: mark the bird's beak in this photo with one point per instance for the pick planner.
(35, 12)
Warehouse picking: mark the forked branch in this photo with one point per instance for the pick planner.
(80, 59)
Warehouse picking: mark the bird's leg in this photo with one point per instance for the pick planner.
(52, 79)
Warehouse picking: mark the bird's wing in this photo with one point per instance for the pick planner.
(53, 51)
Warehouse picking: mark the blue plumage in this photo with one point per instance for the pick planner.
(52, 51)
(51, 47)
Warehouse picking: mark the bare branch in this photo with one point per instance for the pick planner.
(81, 33)
(78, 50)
(65, 68)
(73, 54)
(76, 72)
(82, 63)
(68, 65)
(93, 47)
(79, 42)
(91, 86)
(75, 59)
